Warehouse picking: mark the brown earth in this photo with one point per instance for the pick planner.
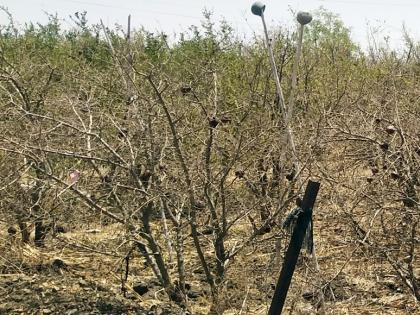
(80, 272)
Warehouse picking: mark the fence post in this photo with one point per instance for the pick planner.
(295, 245)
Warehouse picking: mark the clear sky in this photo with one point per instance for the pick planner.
(384, 17)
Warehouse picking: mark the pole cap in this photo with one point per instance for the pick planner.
(304, 17)
(258, 8)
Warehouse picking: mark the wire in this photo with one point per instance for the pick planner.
(96, 4)
(370, 3)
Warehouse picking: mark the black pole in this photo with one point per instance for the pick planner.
(295, 245)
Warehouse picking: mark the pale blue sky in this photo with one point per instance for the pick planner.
(387, 16)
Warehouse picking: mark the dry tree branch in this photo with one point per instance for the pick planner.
(188, 182)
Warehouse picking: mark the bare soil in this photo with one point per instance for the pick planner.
(79, 272)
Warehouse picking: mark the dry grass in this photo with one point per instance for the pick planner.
(92, 267)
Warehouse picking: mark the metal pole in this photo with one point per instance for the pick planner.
(294, 74)
(129, 28)
(289, 132)
(293, 250)
(303, 18)
(274, 68)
